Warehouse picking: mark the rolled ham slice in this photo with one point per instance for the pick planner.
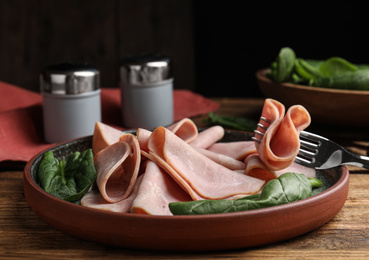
(156, 191)
(94, 199)
(200, 176)
(133, 161)
(104, 135)
(281, 143)
(256, 168)
(117, 168)
(143, 137)
(184, 129)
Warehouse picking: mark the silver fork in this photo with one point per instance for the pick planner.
(319, 152)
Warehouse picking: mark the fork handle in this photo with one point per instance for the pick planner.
(355, 159)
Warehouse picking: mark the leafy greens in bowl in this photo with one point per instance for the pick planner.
(334, 72)
(334, 91)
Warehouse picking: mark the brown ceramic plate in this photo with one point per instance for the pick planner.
(327, 106)
(186, 233)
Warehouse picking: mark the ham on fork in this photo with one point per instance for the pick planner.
(281, 142)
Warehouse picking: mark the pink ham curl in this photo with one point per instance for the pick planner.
(185, 129)
(281, 143)
(256, 168)
(117, 168)
(94, 199)
(200, 176)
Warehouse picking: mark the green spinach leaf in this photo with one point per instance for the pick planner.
(67, 180)
(287, 188)
(356, 80)
(307, 70)
(285, 64)
(336, 66)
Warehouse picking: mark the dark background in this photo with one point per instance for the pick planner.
(216, 46)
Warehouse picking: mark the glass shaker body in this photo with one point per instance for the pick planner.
(146, 91)
(71, 101)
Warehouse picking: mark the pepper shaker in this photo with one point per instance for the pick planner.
(146, 85)
(71, 100)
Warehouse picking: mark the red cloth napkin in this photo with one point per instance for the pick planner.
(21, 127)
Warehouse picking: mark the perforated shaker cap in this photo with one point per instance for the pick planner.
(146, 69)
(69, 78)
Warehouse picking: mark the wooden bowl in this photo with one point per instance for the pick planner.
(336, 107)
(185, 233)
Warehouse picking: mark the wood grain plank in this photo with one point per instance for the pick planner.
(23, 234)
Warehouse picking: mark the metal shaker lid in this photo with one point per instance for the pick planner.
(145, 69)
(69, 78)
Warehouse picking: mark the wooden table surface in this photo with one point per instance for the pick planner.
(24, 235)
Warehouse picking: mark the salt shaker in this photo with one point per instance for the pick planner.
(146, 85)
(71, 100)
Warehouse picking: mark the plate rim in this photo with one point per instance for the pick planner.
(35, 185)
(222, 239)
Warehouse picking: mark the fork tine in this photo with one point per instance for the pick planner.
(303, 161)
(256, 139)
(259, 133)
(305, 154)
(262, 126)
(311, 136)
(265, 119)
(308, 145)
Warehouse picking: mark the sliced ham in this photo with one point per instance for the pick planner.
(274, 112)
(200, 176)
(143, 173)
(156, 191)
(117, 168)
(142, 137)
(94, 199)
(237, 150)
(104, 135)
(226, 161)
(281, 142)
(133, 161)
(184, 129)
(208, 137)
(256, 168)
